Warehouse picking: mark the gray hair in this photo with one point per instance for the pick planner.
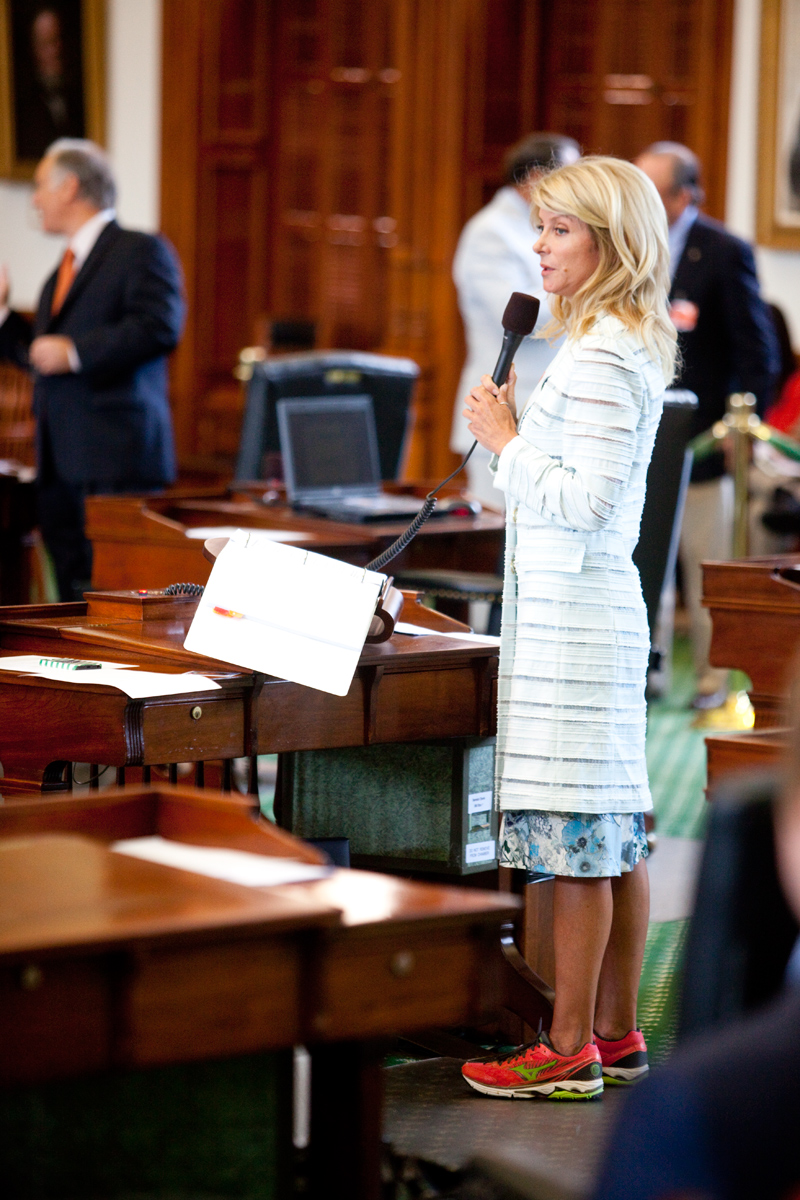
(90, 166)
(687, 171)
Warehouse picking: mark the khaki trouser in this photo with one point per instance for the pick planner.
(706, 534)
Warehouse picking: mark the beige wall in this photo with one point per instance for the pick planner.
(133, 101)
(779, 270)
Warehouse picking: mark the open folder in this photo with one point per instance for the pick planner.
(287, 612)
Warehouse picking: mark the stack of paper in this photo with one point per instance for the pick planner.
(123, 676)
(235, 866)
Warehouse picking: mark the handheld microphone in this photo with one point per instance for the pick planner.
(518, 321)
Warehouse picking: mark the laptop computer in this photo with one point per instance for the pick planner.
(330, 459)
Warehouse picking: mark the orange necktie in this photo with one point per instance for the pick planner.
(66, 274)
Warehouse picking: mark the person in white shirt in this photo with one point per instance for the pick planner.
(107, 319)
(492, 260)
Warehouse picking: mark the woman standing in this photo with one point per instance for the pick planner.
(571, 779)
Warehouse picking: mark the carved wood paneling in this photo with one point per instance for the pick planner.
(321, 157)
(627, 73)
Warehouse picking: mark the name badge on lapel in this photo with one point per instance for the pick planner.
(684, 315)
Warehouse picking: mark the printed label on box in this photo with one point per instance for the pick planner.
(479, 802)
(479, 852)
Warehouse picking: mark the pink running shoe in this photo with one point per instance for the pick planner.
(625, 1060)
(536, 1069)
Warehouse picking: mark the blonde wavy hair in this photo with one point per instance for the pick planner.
(627, 221)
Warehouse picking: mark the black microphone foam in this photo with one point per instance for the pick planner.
(518, 321)
(521, 313)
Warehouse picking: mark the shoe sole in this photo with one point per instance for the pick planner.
(623, 1076)
(577, 1089)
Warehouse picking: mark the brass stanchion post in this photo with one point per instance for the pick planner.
(741, 408)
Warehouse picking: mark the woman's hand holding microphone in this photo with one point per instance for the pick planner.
(491, 412)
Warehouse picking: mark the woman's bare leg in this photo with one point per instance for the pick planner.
(582, 919)
(618, 987)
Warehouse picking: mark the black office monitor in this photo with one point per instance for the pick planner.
(389, 381)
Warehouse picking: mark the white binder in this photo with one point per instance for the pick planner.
(286, 611)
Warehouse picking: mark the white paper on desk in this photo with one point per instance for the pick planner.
(235, 866)
(305, 617)
(484, 639)
(139, 685)
(268, 535)
(30, 662)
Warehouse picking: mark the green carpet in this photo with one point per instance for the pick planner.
(676, 754)
(659, 989)
(676, 764)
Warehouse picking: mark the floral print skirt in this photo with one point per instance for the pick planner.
(585, 845)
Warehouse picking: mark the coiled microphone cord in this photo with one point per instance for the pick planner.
(409, 534)
(184, 589)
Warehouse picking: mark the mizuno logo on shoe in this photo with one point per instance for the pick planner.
(531, 1073)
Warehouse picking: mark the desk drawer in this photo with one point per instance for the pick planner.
(55, 1017)
(210, 1001)
(165, 731)
(368, 987)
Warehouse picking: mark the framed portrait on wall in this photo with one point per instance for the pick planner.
(779, 126)
(52, 78)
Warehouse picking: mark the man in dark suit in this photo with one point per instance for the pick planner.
(106, 321)
(727, 343)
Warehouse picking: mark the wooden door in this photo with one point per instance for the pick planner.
(320, 158)
(337, 80)
(626, 73)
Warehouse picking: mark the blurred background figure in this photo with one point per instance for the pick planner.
(727, 344)
(492, 260)
(106, 320)
(719, 1120)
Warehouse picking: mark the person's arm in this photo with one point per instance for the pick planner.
(751, 332)
(15, 331)
(584, 489)
(151, 324)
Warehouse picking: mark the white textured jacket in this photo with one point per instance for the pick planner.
(575, 641)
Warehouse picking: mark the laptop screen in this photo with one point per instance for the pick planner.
(329, 447)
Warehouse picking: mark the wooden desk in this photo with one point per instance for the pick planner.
(756, 629)
(109, 962)
(143, 541)
(404, 690)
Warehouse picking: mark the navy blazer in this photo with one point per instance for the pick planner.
(109, 424)
(733, 346)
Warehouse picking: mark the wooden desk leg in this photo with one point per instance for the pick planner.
(524, 992)
(346, 1120)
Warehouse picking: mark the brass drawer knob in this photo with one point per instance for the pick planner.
(402, 963)
(196, 712)
(31, 977)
